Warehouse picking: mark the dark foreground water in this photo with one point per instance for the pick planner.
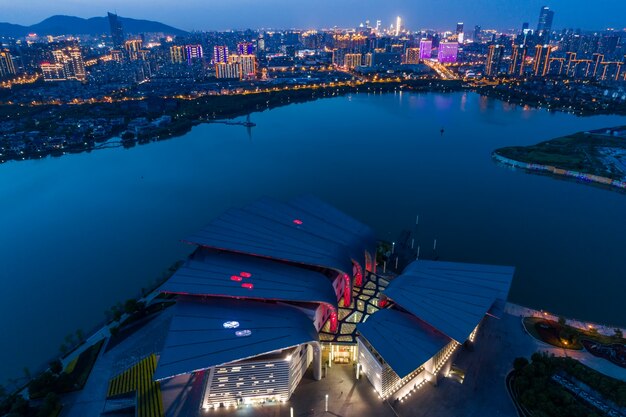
(82, 232)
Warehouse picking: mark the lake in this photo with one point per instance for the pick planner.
(84, 231)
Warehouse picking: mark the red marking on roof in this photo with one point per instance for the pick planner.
(235, 278)
(247, 285)
(297, 221)
(245, 274)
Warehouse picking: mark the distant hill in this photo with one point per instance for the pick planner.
(71, 25)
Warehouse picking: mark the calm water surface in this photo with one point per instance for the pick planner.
(82, 232)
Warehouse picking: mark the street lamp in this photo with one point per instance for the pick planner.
(326, 404)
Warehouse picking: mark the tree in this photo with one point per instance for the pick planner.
(56, 367)
(49, 405)
(520, 363)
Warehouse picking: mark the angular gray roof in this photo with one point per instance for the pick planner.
(403, 341)
(452, 297)
(246, 232)
(320, 220)
(225, 274)
(214, 331)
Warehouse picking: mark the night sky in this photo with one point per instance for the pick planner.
(417, 14)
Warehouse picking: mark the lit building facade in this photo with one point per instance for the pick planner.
(68, 65)
(220, 54)
(245, 48)
(193, 52)
(351, 61)
(426, 48)
(53, 72)
(412, 56)
(177, 54)
(132, 47)
(448, 52)
(228, 70)
(7, 68)
(494, 60)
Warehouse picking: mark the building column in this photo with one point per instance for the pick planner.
(317, 361)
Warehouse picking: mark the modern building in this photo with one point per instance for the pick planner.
(448, 52)
(426, 48)
(7, 67)
(220, 54)
(193, 52)
(117, 32)
(53, 72)
(228, 70)
(544, 25)
(177, 54)
(262, 284)
(68, 65)
(132, 48)
(427, 312)
(245, 48)
(351, 61)
(541, 62)
(494, 60)
(412, 56)
(460, 36)
(247, 65)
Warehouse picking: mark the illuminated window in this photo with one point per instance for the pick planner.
(231, 324)
(243, 333)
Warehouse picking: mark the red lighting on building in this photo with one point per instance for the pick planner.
(333, 322)
(247, 285)
(383, 302)
(347, 291)
(245, 274)
(298, 222)
(235, 278)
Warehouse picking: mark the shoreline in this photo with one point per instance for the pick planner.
(621, 185)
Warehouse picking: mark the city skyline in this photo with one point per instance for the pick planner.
(197, 15)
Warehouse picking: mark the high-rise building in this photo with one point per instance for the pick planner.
(220, 54)
(247, 65)
(227, 70)
(477, 31)
(351, 61)
(459, 32)
(426, 48)
(412, 56)
(193, 52)
(542, 59)
(177, 54)
(245, 48)
(518, 57)
(6, 63)
(448, 52)
(132, 47)
(544, 26)
(117, 32)
(378, 24)
(53, 72)
(398, 25)
(71, 59)
(494, 60)
(368, 59)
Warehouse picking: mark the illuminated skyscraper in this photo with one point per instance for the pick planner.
(71, 59)
(177, 54)
(412, 56)
(398, 25)
(193, 52)
(351, 61)
(132, 47)
(117, 33)
(227, 70)
(477, 30)
(247, 65)
(448, 52)
(245, 48)
(53, 72)
(542, 59)
(426, 48)
(544, 26)
(220, 54)
(6, 63)
(459, 32)
(494, 60)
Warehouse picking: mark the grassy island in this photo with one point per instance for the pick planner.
(597, 156)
